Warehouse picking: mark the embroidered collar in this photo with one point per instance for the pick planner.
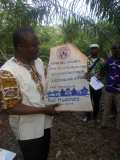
(28, 66)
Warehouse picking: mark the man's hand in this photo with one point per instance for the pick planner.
(50, 109)
(21, 109)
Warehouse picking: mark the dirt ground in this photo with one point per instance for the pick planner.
(7, 139)
(73, 140)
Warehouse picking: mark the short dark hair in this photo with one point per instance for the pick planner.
(19, 34)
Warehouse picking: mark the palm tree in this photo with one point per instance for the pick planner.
(106, 9)
(14, 13)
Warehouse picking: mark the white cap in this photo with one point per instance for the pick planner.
(94, 46)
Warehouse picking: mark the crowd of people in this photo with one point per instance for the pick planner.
(22, 83)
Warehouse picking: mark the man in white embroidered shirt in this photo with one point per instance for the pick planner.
(22, 95)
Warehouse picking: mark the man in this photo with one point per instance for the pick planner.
(22, 95)
(95, 65)
(112, 88)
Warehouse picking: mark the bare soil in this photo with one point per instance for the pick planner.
(72, 139)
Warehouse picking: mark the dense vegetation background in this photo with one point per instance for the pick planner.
(102, 26)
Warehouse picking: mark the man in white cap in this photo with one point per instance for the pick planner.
(95, 66)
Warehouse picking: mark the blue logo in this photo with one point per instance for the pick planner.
(68, 92)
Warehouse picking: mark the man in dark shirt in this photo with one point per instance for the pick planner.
(112, 88)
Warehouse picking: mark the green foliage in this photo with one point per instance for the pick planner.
(79, 33)
(48, 37)
(107, 34)
(18, 13)
(12, 15)
(76, 29)
(82, 35)
(106, 9)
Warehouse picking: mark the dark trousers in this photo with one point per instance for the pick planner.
(36, 149)
(95, 99)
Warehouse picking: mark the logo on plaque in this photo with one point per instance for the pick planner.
(63, 53)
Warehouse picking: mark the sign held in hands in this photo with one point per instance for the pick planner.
(66, 83)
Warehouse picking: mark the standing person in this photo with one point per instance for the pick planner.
(95, 65)
(112, 88)
(22, 95)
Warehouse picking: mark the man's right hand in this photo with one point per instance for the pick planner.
(21, 109)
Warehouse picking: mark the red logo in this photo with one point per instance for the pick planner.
(63, 52)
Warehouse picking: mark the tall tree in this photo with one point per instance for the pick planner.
(106, 9)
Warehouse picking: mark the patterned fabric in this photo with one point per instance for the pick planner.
(36, 77)
(9, 90)
(31, 126)
(10, 93)
(113, 75)
(96, 70)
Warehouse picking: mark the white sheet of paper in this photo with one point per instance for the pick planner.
(6, 155)
(2, 157)
(96, 84)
